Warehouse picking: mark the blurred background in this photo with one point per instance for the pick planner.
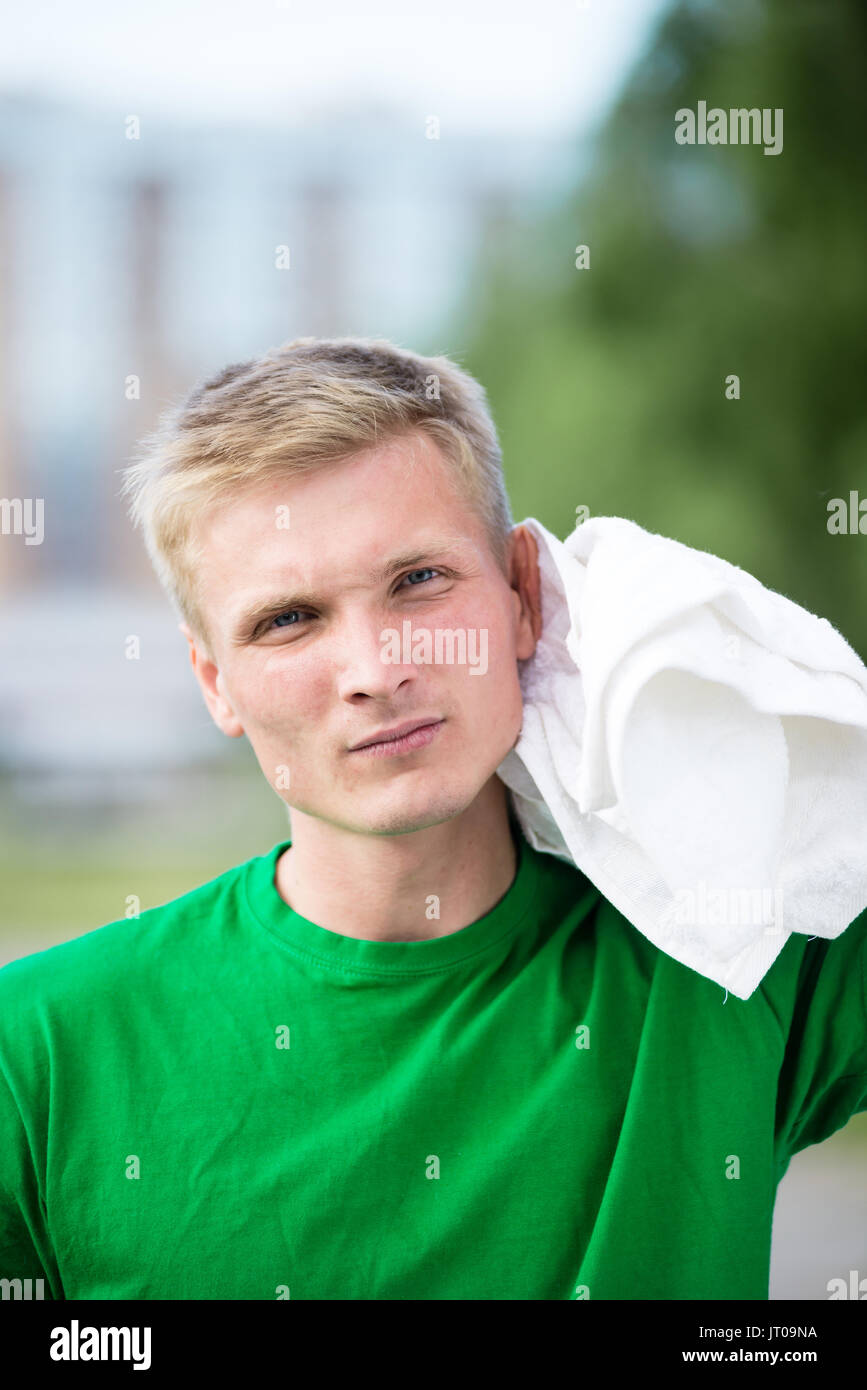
(187, 184)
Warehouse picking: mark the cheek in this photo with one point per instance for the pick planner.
(274, 696)
(495, 692)
(503, 675)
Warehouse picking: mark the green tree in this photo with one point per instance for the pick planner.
(608, 383)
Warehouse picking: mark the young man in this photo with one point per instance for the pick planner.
(401, 1055)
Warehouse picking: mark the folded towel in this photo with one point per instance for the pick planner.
(696, 744)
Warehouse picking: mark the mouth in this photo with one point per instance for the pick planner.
(403, 738)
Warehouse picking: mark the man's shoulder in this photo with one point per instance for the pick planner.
(112, 957)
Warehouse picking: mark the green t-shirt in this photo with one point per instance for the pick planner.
(221, 1099)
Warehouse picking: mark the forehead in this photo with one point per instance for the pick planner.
(380, 486)
(336, 524)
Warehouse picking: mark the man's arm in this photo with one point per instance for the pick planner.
(819, 995)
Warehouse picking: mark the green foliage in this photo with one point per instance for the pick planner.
(608, 384)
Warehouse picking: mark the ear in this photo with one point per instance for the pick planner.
(525, 581)
(211, 684)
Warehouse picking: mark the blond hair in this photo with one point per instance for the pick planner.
(307, 403)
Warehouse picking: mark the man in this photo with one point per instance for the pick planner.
(401, 1055)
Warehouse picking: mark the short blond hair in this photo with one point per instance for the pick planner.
(309, 402)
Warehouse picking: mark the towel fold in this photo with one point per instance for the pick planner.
(696, 744)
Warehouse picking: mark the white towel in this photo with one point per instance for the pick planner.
(697, 745)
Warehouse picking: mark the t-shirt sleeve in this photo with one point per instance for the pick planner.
(26, 1250)
(822, 1008)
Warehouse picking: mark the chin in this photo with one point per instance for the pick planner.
(416, 813)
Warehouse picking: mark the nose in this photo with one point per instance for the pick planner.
(361, 669)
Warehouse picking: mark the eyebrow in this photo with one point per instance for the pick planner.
(268, 606)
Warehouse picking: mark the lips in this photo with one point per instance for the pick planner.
(399, 730)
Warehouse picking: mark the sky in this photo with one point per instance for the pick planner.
(546, 67)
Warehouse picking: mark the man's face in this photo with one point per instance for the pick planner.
(297, 616)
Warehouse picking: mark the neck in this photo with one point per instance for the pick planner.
(382, 887)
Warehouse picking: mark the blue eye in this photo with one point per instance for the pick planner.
(426, 570)
(284, 615)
